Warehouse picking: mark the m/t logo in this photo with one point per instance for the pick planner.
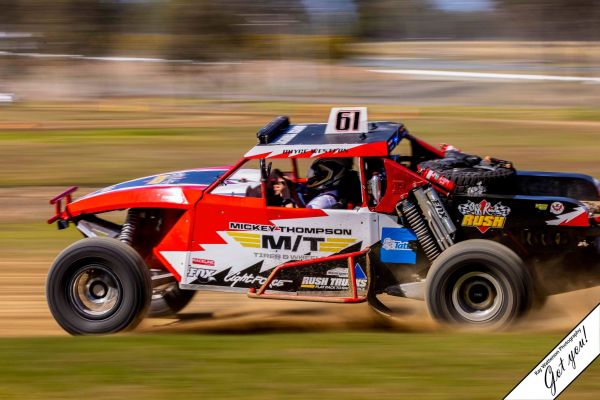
(289, 243)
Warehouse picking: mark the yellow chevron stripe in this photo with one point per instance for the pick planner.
(250, 245)
(247, 241)
(332, 248)
(339, 240)
(244, 235)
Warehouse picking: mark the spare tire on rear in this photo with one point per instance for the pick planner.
(471, 175)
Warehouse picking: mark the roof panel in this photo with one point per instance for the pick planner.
(310, 140)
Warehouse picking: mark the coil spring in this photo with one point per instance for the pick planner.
(126, 235)
(417, 224)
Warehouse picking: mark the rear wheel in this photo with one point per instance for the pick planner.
(98, 286)
(478, 283)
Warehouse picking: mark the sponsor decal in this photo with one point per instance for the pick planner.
(476, 191)
(286, 257)
(203, 261)
(340, 282)
(557, 208)
(396, 246)
(292, 243)
(563, 364)
(201, 275)
(340, 272)
(435, 177)
(327, 283)
(577, 217)
(199, 177)
(167, 179)
(313, 150)
(157, 179)
(484, 215)
(291, 150)
(243, 226)
(391, 244)
(541, 207)
(251, 279)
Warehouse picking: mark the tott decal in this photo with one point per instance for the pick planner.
(396, 245)
(484, 215)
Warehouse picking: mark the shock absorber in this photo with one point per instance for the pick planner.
(128, 229)
(417, 224)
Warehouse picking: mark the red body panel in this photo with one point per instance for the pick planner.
(178, 238)
(400, 181)
(148, 197)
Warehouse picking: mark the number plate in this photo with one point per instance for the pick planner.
(347, 120)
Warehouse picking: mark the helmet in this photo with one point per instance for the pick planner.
(326, 173)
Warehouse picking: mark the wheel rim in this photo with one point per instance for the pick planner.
(477, 296)
(95, 291)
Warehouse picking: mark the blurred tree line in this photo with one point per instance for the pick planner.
(236, 29)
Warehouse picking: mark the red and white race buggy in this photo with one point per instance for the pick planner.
(472, 236)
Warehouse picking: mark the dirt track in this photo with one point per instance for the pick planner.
(23, 310)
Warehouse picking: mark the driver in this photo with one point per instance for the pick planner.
(278, 191)
(323, 181)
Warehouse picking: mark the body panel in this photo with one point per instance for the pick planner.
(180, 189)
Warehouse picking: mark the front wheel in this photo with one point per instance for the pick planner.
(98, 286)
(478, 283)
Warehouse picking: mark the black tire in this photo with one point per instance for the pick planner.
(495, 180)
(169, 301)
(98, 286)
(478, 283)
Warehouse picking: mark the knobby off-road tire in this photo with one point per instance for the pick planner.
(98, 286)
(478, 284)
(169, 301)
(496, 180)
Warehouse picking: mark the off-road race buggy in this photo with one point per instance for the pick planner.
(481, 242)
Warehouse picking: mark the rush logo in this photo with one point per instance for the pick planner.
(483, 221)
(484, 216)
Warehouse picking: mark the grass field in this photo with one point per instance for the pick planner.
(359, 365)
(96, 144)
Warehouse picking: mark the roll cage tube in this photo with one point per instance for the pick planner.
(265, 170)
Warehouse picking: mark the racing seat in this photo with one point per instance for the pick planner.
(349, 192)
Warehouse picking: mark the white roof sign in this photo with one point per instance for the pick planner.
(347, 120)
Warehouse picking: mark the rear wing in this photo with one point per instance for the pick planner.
(60, 213)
